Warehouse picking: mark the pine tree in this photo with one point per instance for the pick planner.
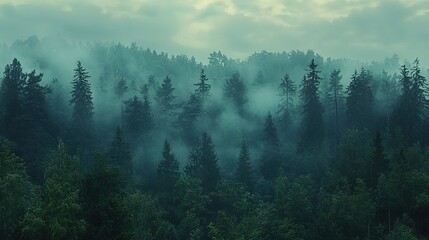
(235, 90)
(138, 117)
(81, 98)
(380, 162)
(203, 88)
(11, 105)
(15, 192)
(359, 101)
(335, 97)
(244, 172)
(165, 97)
(168, 169)
(120, 156)
(121, 88)
(59, 213)
(203, 163)
(312, 114)
(287, 91)
(82, 125)
(270, 159)
(187, 119)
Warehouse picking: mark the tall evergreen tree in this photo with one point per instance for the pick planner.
(121, 88)
(138, 117)
(270, 159)
(58, 214)
(359, 101)
(15, 190)
(188, 117)
(203, 163)
(312, 114)
(235, 90)
(82, 125)
(120, 156)
(81, 98)
(168, 169)
(335, 97)
(12, 88)
(244, 172)
(287, 91)
(203, 88)
(380, 161)
(165, 96)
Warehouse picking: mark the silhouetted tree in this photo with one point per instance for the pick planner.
(244, 172)
(270, 159)
(235, 90)
(165, 97)
(203, 163)
(335, 97)
(120, 156)
(203, 88)
(312, 132)
(81, 125)
(359, 101)
(187, 119)
(287, 91)
(168, 169)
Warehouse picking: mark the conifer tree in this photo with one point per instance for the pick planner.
(81, 125)
(270, 160)
(235, 90)
(168, 169)
(188, 117)
(312, 114)
(165, 96)
(335, 97)
(244, 172)
(119, 154)
(11, 105)
(380, 161)
(359, 101)
(203, 163)
(287, 91)
(203, 88)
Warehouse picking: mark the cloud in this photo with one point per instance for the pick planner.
(364, 29)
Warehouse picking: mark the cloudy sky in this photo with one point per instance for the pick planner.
(359, 29)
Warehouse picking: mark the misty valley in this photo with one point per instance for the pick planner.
(115, 141)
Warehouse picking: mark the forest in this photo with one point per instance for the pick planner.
(114, 141)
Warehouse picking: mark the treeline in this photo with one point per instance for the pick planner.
(334, 160)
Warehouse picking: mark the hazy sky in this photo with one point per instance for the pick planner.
(360, 29)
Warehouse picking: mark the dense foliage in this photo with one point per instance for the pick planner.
(151, 146)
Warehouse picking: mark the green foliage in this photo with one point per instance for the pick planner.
(203, 163)
(312, 134)
(235, 91)
(14, 192)
(58, 213)
(244, 172)
(360, 100)
(168, 169)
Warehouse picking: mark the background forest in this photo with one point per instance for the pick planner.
(107, 141)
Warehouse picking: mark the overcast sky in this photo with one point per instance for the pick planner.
(359, 29)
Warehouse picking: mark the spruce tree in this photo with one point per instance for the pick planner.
(203, 163)
(81, 125)
(335, 99)
(120, 156)
(165, 96)
(203, 88)
(380, 162)
(359, 101)
(244, 172)
(11, 104)
(168, 169)
(312, 134)
(188, 117)
(287, 90)
(235, 91)
(270, 159)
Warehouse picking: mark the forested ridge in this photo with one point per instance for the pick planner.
(108, 141)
